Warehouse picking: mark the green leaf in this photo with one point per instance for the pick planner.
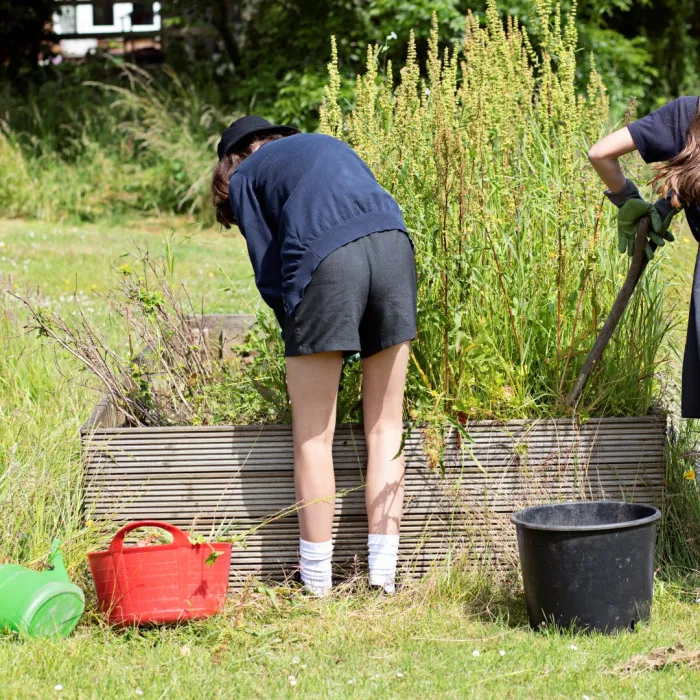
(209, 561)
(404, 437)
(270, 593)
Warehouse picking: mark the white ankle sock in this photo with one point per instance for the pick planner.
(315, 565)
(383, 553)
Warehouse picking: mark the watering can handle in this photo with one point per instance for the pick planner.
(179, 537)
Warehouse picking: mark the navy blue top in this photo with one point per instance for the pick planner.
(660, 136)
(298, 199)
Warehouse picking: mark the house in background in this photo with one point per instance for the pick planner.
(84, 25)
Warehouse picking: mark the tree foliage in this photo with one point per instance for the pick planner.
(24, 35)
(643, 49)
(270, 56)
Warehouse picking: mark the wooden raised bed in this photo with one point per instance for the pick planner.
(229, 479)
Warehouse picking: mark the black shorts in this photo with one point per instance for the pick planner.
(361, 298)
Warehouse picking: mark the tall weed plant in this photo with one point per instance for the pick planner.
(484, 148)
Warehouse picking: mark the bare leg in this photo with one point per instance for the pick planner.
(313, 388)
(383, 380)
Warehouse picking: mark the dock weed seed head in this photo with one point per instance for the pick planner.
(484, 148)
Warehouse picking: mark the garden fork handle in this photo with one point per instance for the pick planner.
(634, 274)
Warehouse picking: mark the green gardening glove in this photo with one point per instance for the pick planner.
(631, 209)
(661, 213)
(627, 217)
(661, 218)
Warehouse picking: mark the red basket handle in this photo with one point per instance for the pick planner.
(179, 537)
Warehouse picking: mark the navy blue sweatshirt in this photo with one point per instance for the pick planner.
(298, 199)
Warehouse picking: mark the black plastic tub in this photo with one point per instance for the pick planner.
(588, 564)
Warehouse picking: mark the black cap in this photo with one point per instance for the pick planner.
(235, 136)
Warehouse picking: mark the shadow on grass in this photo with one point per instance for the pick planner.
(485, 594)
(501, 605)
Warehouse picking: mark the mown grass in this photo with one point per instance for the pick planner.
(428, 642)
(353, 645)
(60, 259)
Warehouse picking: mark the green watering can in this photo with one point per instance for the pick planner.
(39, 603)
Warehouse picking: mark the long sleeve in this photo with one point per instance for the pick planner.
(263, 246)
(298, 199)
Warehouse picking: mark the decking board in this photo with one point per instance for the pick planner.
(216, 479)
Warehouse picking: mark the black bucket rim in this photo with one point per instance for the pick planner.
(518, 522)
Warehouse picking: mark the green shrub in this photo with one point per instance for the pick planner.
(146, 145)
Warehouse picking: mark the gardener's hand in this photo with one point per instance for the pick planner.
(660, 213)
(661, 217)
(628, 216)
(632, 208)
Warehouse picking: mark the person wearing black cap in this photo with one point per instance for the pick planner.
(332, 257)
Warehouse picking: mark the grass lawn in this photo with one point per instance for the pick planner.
(426, 643)
(61, 259)
(422, 643)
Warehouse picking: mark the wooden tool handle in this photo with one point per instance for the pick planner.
(634, 274)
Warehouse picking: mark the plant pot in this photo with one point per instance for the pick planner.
(589, 565)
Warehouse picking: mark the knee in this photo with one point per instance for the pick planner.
(384, 435)
(317, 445)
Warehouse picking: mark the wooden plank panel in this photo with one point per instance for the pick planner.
(253, 453)
(235, 478)
(353, 436)
(249, 490)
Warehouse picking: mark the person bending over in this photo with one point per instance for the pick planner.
(332, 258)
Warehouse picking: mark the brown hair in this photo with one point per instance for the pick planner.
(222, 174)
(681, 174)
